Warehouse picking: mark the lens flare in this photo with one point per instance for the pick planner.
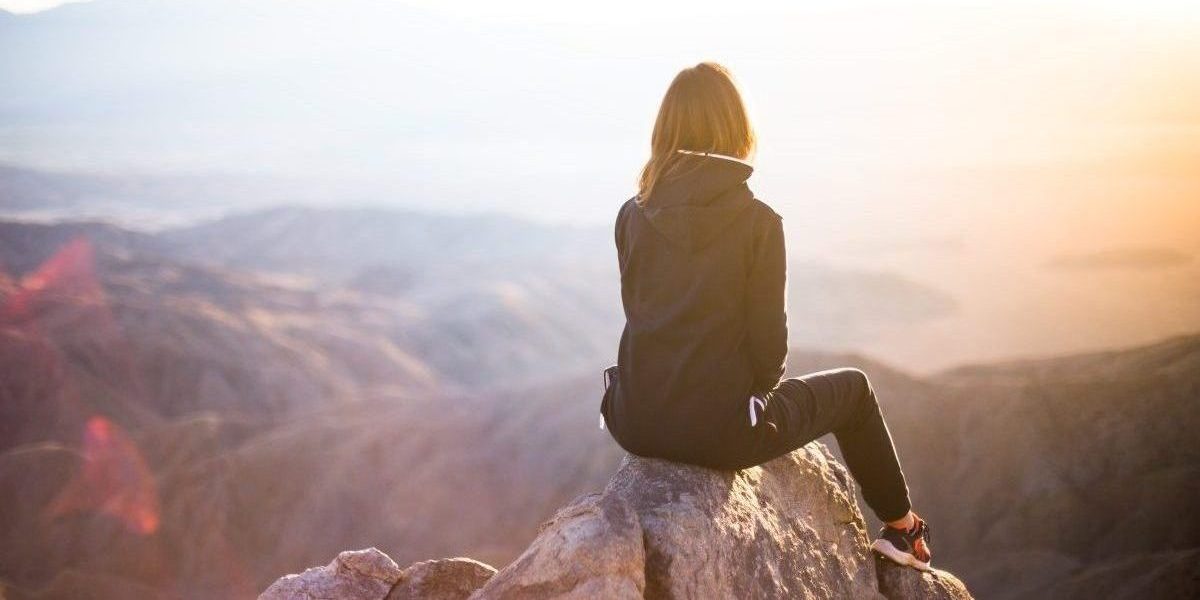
(69, 271)
(114, 480)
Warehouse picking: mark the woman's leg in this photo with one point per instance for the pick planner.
(842, 402)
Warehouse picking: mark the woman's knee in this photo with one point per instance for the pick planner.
(862, 393)
(859, 381)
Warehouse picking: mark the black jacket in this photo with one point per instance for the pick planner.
(703, 273)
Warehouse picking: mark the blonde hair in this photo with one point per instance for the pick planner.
(702, 111)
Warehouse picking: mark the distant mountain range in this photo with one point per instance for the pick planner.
(922, 308)
(470, 262)
(1068, 477)
(448, 288)
(173, 427)
(138, 200)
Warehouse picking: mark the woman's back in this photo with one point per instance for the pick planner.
(702, 279)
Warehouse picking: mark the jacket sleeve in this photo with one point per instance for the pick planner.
(619, 234)
(766, 308)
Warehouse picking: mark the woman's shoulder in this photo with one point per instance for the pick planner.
(764, 210)
(626, 208)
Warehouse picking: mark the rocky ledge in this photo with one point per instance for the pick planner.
(788, 529)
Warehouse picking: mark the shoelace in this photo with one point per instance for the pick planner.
(923, 531)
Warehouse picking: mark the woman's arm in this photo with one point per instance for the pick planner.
(766, 310)
(619, 233)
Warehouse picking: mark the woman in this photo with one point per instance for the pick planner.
(702, 281)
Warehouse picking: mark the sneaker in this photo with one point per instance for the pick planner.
(909, 548)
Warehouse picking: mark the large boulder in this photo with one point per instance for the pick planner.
(788, 529)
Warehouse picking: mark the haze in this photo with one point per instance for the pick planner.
(973, 150)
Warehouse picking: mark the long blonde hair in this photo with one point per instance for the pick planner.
(702, 111)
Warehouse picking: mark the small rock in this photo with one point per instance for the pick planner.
(354, 575)
(898, 582)
(444, 579)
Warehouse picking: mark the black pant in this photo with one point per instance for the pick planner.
(842, 402)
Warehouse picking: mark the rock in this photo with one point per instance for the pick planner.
(444, 579)
(372, 575)
(354, 575)
(901, 583)
(592, 548)
(788, 529)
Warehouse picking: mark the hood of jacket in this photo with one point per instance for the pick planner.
(692, 208)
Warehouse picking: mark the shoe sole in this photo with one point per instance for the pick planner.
(899, 557)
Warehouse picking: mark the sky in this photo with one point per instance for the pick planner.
(969, 146)
(28, 6)
(31, 6)
(870, 110)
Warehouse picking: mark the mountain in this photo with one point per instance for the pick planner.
(242, 502)
(334, 244)
(471, 278)
(169, 410)
(1054, 477)
(1066, 469)
(848, 307)
(138, 199)
(506, 325)
(486, 272)
(484, 299)
(104, 323)
(176, 427)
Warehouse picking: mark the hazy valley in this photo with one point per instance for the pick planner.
(193, 412)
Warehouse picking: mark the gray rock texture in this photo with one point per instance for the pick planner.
(902, 583)
(443, 579)
(354, 574)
